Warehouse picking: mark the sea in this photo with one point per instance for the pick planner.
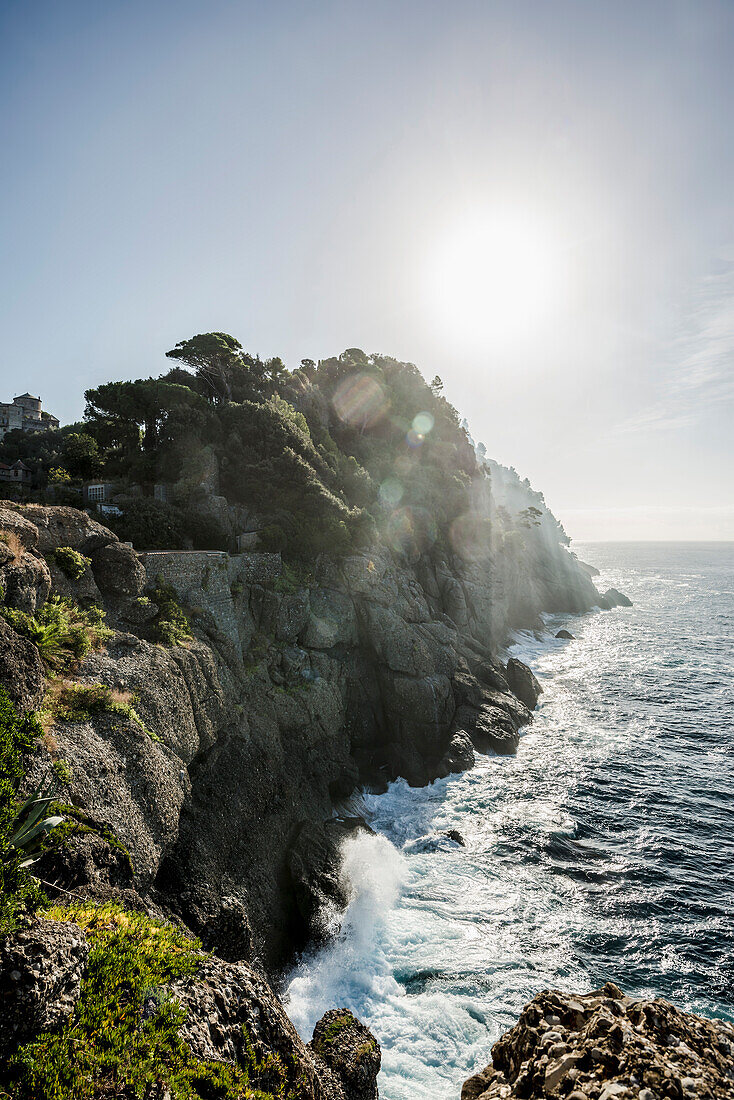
(603, 850)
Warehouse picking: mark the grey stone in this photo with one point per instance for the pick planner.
(41, 970)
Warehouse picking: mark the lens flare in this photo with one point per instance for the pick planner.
(470, 536)
(391, 491)
(360, 401)
(413, 438)
(411, 531)
(423, 423)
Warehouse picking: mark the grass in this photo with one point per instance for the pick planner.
(123, 1038)
(67, 701)
(13, 543)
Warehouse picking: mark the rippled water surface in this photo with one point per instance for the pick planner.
(604, 849)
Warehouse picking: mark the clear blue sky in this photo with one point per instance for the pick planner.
(314, 176)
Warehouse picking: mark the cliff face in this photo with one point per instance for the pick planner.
(290, 696)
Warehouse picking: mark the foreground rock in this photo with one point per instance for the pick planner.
(523, 683)
(605, 1046)
(40, 979)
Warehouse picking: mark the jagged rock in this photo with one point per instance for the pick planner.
(89, 864)
(41, 970)
(228, 1004)
(21, 670)
(61, 526)
(614, 598)
(455, 835)
(460, 753)
(350, 1051)
(118, 570)
(602, 1045)
(565, 634)
(314, 862)
(523, 683)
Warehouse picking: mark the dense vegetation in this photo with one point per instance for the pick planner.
(123, 1038)
(328, 457)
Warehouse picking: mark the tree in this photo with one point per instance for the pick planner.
(214, 356)
(122, 409)
(436, 386)
(81, 455)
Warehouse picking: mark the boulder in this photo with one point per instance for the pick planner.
(24, 577)
(523, 683)
(460, 753)
(229, 1005)
(605, 1045)
(350, 1051)
(565, 634)
(61, 526)
(41, 971)
(118, 570)
(614, 598)
(21, 670)
(13, 523)
(314, 862)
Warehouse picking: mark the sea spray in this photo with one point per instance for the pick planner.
(348, 969)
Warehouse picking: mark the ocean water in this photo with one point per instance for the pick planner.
(603, 850)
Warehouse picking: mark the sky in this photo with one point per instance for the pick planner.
(533, 200)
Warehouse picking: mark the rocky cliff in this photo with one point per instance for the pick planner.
(214, 777)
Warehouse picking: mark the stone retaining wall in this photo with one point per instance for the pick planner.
(205, 578)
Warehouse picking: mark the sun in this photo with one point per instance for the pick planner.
(496, 277)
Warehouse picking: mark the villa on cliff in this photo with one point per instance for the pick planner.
(25, 413)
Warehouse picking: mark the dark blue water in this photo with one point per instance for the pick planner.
(603, 850)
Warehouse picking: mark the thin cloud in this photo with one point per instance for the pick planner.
(702, 361)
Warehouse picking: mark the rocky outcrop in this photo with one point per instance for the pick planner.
(565, 634)
(614, 598)
(41, 971)
(523, 683)
(350, 1053)
(117, 570)
(230, 1015)
(605, 1046)
(21, 671)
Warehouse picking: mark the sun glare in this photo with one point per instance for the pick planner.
(497, 278)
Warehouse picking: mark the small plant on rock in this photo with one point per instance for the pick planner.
(71, 562)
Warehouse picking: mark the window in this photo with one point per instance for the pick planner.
(95, 492)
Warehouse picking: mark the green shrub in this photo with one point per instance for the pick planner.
(19, 892)
(71, 562)
(62, 631)
(123, 1038)
(171, 626)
